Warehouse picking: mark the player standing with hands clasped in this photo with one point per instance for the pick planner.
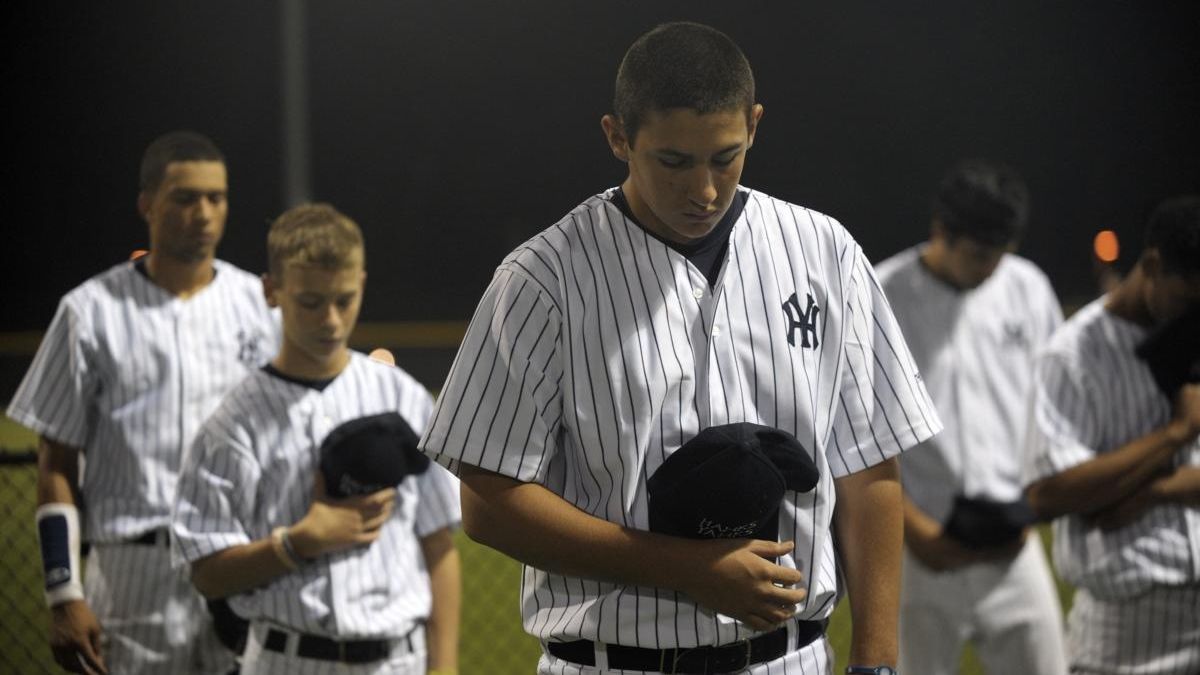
(974, 316)
(1115, 461)
(134, 361)
(305, 500)
(676, 303)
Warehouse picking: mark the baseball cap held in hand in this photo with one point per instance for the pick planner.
(728, 482)
(369, 454)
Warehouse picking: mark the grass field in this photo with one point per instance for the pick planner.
(493, 642)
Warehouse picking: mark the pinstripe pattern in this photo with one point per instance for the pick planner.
(976, 350)
(597, 351)
(129, 372)
(1093, 395)
(252, 469)
(1156, 633)
(133, 591)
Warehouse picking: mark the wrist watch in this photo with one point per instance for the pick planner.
(871, 670)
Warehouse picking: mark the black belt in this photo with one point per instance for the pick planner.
(151, 538)
(728, 658)
(343, 651)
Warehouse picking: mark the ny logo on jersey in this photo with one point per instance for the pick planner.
(249, 349)
(1014, 335)
(805, 320)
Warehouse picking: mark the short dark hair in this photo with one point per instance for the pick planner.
(681, 65)
(1174, 230)
(174, 146)
(983, 201)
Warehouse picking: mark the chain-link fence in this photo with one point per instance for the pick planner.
(492, 639)
(23, 616)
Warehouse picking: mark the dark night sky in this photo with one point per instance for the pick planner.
(454, 130)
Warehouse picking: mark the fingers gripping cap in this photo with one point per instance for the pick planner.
(729, 482)
(369, 454)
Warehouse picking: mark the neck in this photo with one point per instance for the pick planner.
(182, 279)
(294, 362)
(933, 257)
(1126, 300)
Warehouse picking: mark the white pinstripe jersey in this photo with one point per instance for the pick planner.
(597, 351)
(128, 372)
(252, 469)
(975, 349)
(1092, 395)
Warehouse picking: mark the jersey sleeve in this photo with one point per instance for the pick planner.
(215, 496)
(55, 396)
(881, 407)
(438, 501)
(501, 405)
(1063, 429)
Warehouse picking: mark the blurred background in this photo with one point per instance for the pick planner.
(454, 130)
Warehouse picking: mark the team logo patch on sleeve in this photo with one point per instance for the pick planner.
(805, 320)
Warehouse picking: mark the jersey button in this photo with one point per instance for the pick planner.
(716, 331)
(697, 293)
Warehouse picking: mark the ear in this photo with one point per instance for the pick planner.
(614, 133)
(143, 205)
(756, 113)
(1151, 262)
(269, 290)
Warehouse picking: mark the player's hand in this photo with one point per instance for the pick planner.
(736, 578)
(75, 638)
(333, 525)
(1187, 412)
(942, 553)
(1169, 485)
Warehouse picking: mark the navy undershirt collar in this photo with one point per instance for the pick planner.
(139, 264)
(318, 385)
(708, 252)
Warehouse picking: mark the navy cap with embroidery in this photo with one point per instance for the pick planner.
(369, 454)
(729, 482)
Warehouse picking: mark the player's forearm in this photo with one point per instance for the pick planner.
(238, 569)
(58, 473)
(1101, 482)
(869, 524)
(445, 579)
(502, 513)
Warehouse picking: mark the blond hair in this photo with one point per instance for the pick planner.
(313, 235)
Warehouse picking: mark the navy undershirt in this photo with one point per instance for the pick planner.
(706, 253)
(139, 264)
(319, 385)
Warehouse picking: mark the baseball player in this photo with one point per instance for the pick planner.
(349, 585)
(974, 315)
(677, 302)
(1116, 463)
(133, 362)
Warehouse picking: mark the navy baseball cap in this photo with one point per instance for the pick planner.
(369, 454)
(729, 482)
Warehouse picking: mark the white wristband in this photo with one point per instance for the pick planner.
(58, 537)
